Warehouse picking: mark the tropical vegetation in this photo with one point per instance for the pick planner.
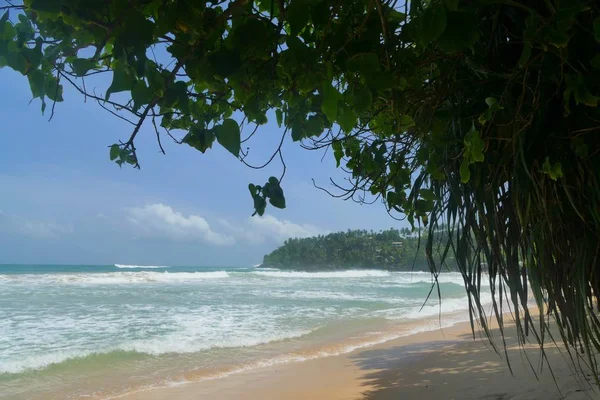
(390, 249)
(480, 115)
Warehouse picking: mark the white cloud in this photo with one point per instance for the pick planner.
(241, 232)
(281, 229)
(14, 224)
(162, 221)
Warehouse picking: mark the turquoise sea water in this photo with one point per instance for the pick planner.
(99, 331)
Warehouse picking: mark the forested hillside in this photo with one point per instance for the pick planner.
(390, 249)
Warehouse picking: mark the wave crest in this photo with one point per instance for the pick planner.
(113, 278)
(127, 266)
(326, 274)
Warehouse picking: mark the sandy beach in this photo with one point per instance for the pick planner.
(440, 364)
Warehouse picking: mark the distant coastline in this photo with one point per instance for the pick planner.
(391, 250)
(327, 268)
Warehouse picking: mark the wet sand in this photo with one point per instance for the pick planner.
(440, 364)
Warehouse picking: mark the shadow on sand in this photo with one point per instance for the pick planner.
(467, 369)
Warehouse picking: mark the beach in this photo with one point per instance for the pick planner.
(441, 364)
(167, 332)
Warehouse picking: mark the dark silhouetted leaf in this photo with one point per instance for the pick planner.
(433, 23)
(81, 66)
(297, 14)
(199, 138)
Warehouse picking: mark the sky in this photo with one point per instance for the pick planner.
(62, 201)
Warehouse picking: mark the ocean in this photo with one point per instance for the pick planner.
(100, 331)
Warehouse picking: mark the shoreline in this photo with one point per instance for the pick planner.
(341, 347)
(437, 364)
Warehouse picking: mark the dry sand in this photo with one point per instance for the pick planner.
(446, 364)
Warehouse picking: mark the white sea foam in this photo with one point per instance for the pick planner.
(113, 278)
(183, 343)
(409, 278)
(434, 308)
(194, 333)
(126, 266)
(333, 295)
(37, 362)
(326, 274)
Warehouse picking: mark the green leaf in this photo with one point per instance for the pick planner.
(553, 171)
(314, 126)
(329, 71)
(3, 20)
(433, 23)
(402, 82)
(597, 29)
(452, 5)
(365, 63)
(141, 94)
(427, 194)
(275, 193)
(224, 62)
(465, 172)
(331, 98)
(559, 38)
(24, 29)
(49, 6)
(199, 138)
(338, 151)
(36, 83)
(319, 13)
(406, 122)
(474, 145)
(361, 99)
(580, 148)
(122, 80)
(259, 205)
(176, 96)
(396, 16)
(16, 61)
(347, 119)
(491, 102)
(125, 156)
(596, 61)
(136, 31)
(252, 188)
(297, 14)
(584, 96)
(525, 54)
(381, 80)
(493, 106)
(81, 66)
(297, 130)
(279, 116)
(115, 150)
(228, 136)
(393, 199)
(460, 33)
(53, 89)
(485, 117)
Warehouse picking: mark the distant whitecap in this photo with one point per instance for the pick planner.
(127, 266)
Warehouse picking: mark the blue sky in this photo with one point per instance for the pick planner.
(63, 201)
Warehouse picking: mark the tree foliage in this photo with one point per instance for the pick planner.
(481, 115)
(390, 249)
